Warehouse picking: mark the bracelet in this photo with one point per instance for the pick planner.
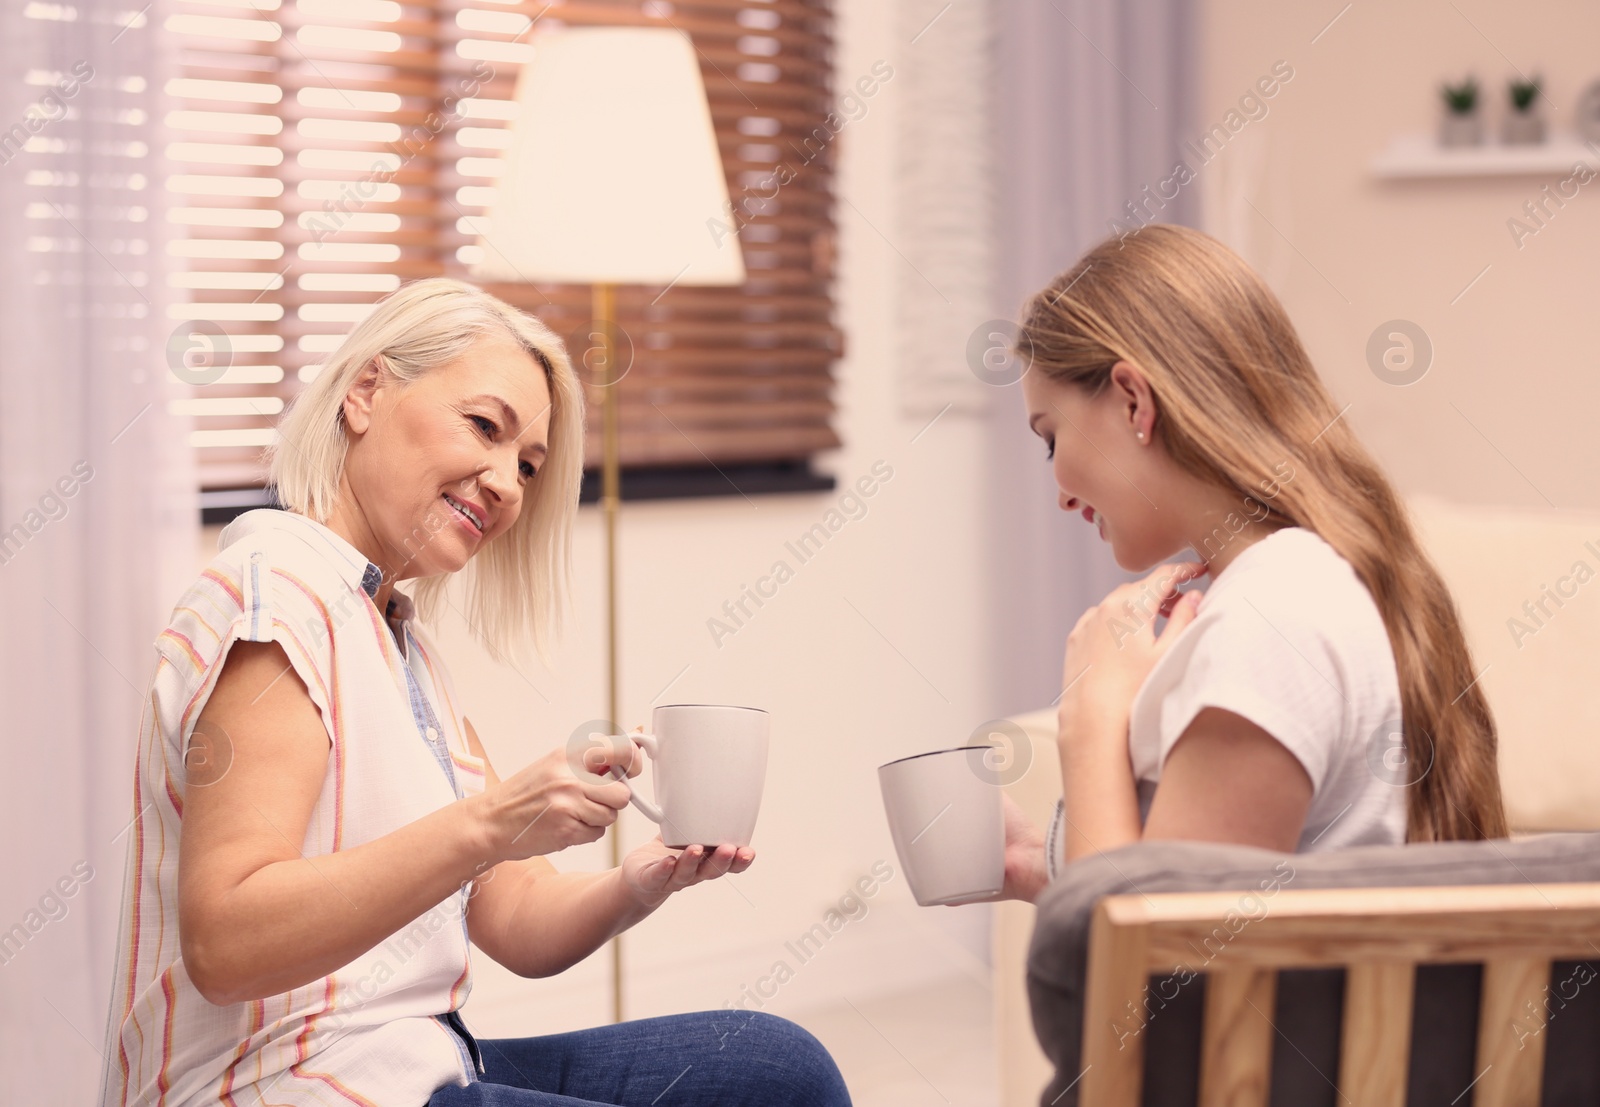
(1053, 836)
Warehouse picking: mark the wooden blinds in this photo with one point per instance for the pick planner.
(328, 150)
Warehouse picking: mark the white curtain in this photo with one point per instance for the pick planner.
(98, 512)
(1093, 98)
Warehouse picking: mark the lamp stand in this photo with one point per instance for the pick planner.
(603, 301)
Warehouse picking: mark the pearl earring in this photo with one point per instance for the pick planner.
(1141, 436)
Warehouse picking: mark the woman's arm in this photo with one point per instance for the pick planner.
(1110, 653)
(1228, 780)
(1225, 780)
(564, 917)
(543, 923)
(257, 918)
(538, 922)
(1101, 799)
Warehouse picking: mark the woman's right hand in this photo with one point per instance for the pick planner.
(554, 803)
(1025, 871)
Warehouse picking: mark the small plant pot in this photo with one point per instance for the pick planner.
(1522, 129)
(1460, 129)
(1589, 114)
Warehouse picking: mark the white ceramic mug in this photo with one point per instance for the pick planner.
(710, 766)
(947, 824)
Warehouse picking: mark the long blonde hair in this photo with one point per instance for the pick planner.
(1236, 396)
(516, 584)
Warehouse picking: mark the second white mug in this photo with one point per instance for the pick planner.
(947, 823)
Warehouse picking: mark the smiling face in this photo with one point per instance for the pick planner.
(1102, 469)
(438, 467)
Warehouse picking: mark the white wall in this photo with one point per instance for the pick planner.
(872, 651)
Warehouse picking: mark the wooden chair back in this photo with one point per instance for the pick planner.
(1379, 936)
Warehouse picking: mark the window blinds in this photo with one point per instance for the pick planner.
(325, 151)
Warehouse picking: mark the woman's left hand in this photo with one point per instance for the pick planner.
(1114, 646)
(654, 872)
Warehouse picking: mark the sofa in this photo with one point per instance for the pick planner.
(1534, 632)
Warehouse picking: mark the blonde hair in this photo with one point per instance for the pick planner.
(1236, 396)
(516, 583)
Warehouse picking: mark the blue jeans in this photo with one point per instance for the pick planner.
(703, 1059)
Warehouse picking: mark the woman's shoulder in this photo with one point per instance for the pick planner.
(259, 586)
(215, 599)
(1297, 619)
(1289, 613)
(1295, 578)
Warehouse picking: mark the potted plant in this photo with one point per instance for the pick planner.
(1525, 123)
(1461, 125)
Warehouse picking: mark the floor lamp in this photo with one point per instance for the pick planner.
(612, 176)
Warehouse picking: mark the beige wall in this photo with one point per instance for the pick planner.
(1515, 355)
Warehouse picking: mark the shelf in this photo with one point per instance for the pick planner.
(1420, 156)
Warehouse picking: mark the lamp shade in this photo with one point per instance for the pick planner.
(613, 174)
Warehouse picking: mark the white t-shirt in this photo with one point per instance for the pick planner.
(1288, 637)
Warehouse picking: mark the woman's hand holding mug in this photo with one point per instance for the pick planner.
(553, 804)
(654, 871)
(570, 796)
(1026, 874)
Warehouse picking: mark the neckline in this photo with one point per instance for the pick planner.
(1248, 550)
(351, 563)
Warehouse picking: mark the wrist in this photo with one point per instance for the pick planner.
(1037, 877)
(1026, 868)
(1080, 713)
(636, 901)
(1092, 728)
(477, 832)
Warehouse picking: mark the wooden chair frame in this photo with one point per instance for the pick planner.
(1378, 935)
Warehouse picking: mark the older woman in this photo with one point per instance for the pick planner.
(318, 832)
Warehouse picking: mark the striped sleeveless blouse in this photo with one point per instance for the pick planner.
(383, 1030)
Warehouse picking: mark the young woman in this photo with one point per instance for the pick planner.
(1319, 694)
(318, 832)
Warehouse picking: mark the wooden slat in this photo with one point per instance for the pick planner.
(1375, 1044)
(1236, 1038)
(727, 105)
(798, 72)
(1344, 926)
(790, 10)
(713, 26)
(1511, 1022)
(1114, 1014)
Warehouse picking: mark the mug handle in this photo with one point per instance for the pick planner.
(648, 743)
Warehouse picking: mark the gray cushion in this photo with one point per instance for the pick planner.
(1309, 1002)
